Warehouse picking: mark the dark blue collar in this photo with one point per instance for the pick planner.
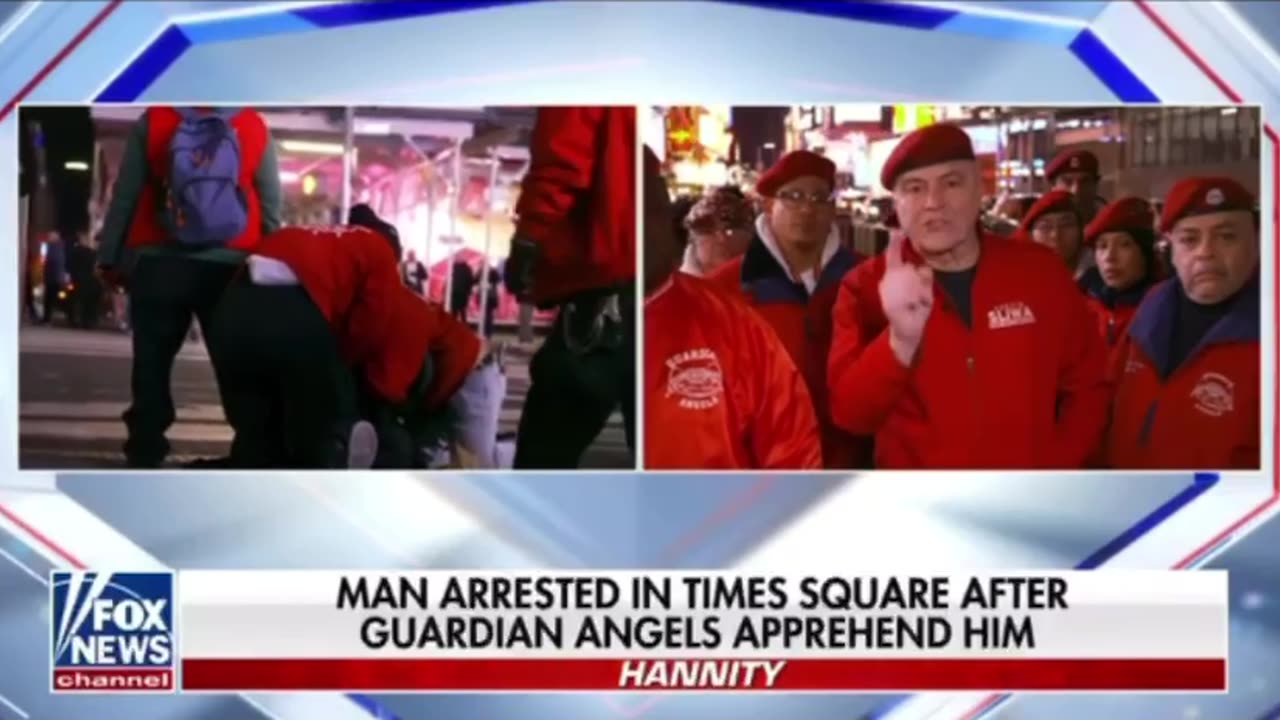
(1152, 327)
(1113, 299)
(766, 281)
(1091, 282)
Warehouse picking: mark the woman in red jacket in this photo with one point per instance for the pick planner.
(318, 310)
(1122, 238)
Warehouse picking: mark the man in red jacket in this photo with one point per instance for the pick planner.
(574, 249)
(314, 306)
(171, 284)
(1188, 374)
(721, 393)
(1077, 172)
(1054, 221)
(959, 349)
(790, 275)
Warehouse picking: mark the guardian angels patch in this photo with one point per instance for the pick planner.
(1214, 394)
(695, 379)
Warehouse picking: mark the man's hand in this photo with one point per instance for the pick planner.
(518, 273)
(906, 295)
(112, 277)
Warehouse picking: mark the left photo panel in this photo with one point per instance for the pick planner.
(328, 288)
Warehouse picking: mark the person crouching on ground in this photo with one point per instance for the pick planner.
(319, 314)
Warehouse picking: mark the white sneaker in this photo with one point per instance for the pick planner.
(362, 446)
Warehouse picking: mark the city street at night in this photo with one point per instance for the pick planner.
(440, 184)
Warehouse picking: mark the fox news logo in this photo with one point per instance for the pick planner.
(112, 632)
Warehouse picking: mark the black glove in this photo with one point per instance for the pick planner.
(591, 321)
(518, 275)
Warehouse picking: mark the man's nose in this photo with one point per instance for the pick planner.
(934, 196)
(1205, 249)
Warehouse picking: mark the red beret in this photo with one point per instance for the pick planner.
(931, 145)
(1130, 213)
(1203, 195)
(796, 164)
(1051, 202)
(1072, 161)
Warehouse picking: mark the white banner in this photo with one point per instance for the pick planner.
(281, 615)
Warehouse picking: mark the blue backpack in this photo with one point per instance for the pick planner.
(204, 206)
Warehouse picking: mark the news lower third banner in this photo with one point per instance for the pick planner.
(638, 631)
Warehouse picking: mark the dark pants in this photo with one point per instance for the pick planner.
(458, 305)
(286, 392)
(407, 434)
(166, 292)
(51, 300)
(573, 390)
(29, 296)
(85, 306)
(490, 310)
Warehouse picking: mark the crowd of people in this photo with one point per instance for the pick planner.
(1065, 344)
(325, 351)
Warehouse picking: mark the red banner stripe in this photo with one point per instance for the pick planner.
(1202, 674)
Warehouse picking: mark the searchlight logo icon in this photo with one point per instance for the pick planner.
(112, 632)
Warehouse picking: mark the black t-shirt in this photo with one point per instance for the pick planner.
(958, 286)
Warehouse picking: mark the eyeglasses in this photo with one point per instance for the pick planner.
(796, 197)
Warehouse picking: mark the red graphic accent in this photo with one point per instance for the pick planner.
(41, 538)
(988, 703)
(1234, 96)
(863, 674)
(109, 680)
(57, 59)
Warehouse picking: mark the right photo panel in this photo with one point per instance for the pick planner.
(925, 287)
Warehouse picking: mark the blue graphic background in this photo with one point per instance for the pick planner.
(662, 52)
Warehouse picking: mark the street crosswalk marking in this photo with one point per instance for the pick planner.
(68, 429)
(195, 423)
(115, 430)
(82, 343)
(97, 410)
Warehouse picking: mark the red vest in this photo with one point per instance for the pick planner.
(1204, 414)
(146, 228)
